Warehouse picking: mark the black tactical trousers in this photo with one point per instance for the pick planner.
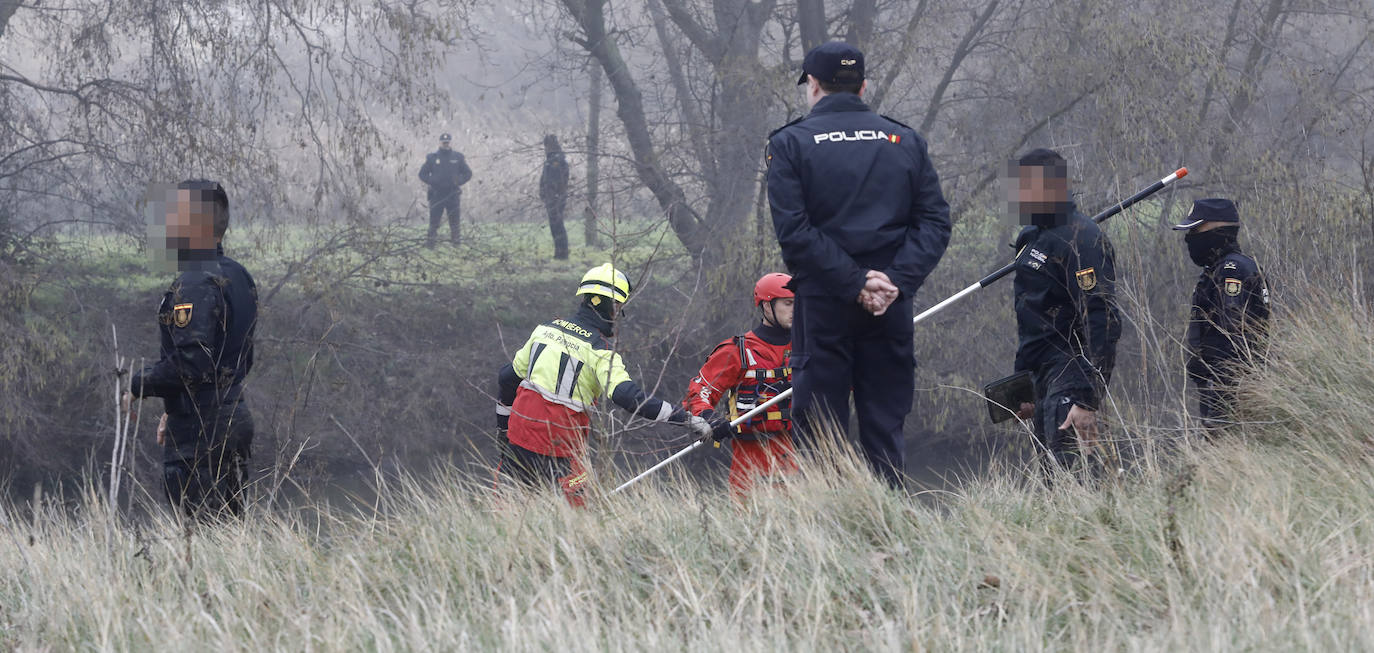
(1216, 403)
(837, 347)
(205, 462)
(557, 227)
(439, 202)
(1058, 448)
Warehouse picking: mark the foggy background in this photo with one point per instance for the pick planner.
(375, 354)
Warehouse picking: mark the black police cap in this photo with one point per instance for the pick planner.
(444, 137)
(835, 62)
(1212, 209)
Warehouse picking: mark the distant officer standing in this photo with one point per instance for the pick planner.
(563, 369)
(444, 172)
(1230, 311)
(207, 320)
(553, 191)
(1066, 313)
(861, 221)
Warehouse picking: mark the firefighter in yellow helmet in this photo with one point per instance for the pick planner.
(565, 368)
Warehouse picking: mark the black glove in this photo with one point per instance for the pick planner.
(720, 427)
(502, 417)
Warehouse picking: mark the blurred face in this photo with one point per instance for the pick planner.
(444, 145)
(190, 221)
(779, 312)
(1035, 190)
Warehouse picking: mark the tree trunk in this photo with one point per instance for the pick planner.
(980, 22)
(904, 52)
(738, 109)
(811, 20)
(7, 9)
(590, 15)
(589, 212)
(862, 16)
(1249, 81)
(693, 121)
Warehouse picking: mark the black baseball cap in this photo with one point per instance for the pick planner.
(1212, 209)
(835, 62)
(444, 137)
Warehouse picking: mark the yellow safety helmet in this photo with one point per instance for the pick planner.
(606, 281)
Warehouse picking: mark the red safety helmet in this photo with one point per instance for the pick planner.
(772, 286)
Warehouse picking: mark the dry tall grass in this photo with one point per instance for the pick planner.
(1260, 541)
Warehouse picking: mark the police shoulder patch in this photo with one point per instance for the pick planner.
(1087, 278)
(181, 314)
(1232, 286)
(1230, 265)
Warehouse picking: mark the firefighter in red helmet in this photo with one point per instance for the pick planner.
(747, 370)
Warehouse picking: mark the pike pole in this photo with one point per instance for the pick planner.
(979, 285)
(1006, 269)
(692, 447)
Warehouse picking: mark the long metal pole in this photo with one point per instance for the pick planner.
(1099, 218)
(692, 447)
(982, 283)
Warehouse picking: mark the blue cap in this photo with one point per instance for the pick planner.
(1212, 209)
(835, 62)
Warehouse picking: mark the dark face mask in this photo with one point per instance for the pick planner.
(602, 310)
(1057, 214)
(1206, 247)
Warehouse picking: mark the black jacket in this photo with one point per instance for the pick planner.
(445, 170)
(207, 319)
(1066, 313)
(553, 182)
(1229, 316)
(851, 191)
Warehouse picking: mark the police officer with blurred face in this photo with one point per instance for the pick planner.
(1066, 313)
(861, 221)
(206, 322)
(444, 172)
(1230, 310)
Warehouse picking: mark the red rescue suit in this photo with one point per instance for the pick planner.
(748, 370)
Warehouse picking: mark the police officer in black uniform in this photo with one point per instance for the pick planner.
(444, 172)
(1230, 311)
(553, 190)
(206, 321)
(1066, 313)
(861, 221)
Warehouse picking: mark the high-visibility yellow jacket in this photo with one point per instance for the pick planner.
(562, 370)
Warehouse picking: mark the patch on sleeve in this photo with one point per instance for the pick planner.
(181, 315)
(1087, 279)
(1232, 286)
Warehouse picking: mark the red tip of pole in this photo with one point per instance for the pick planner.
(1181, 172)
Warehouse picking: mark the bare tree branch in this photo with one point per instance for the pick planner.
(961, 51)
